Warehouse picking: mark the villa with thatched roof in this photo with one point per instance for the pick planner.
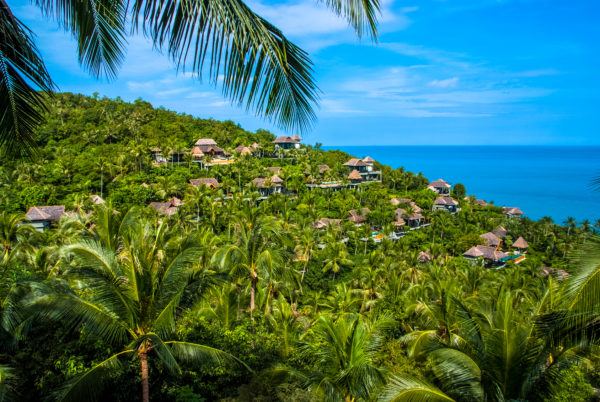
(414, 220)
(324, 222)
(41, 218)
(491, 254)
(500, 231)
(286, 142)
(267, 186)
(358, 216)
(512, 212)
(445, 203)
(323, 168)
(355, 177)
(357, 164)
(167, 208)
(440, 187)
(207, 181)
(242, 150)
(369, 161)
(274, 169)
(521, 244)
(490, 239)
(364, 169)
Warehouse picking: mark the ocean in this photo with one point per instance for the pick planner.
(554, 181)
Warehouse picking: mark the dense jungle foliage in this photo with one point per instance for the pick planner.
(238, 299)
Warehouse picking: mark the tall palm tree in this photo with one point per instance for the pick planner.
(13, 233)
(343, 367)
(127, 298)
(260, 67)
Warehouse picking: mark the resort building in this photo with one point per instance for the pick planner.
(157, 156)
(445, 203)
(197, 153)
(167, 208)
(325, 222)
(208, 146)
(267, 186)
(286, 142)
(358, 217)
(276, 170)
(512, 212)
(42, 218)
(208, 181)
(521, 245)
(413, 221)
(489, 254)
(323, 168)
(490, 239)
(242, 150)
(355, 177)
(440, 187)
(500, 231)
(365, 170)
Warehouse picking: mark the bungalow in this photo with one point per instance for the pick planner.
(208, 181)
(197, 153)
(512, 212)
(323, 168)
(440, 187)
(364, 169)
(490, 239)
(157, 156)
(358, 217)
(208, 146)
(369, 161)
(355, 177)
(276, 170)
(520, 244)
(167, 208)
(325, 222)
(490, 254)
(41, 218)
(287, 142)
(414, 220)
(268, 186)
(500, 231)
(242, 150)
(96, 199)
(406, 201)
(446, 203)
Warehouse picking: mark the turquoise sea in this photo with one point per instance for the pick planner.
(550, 181)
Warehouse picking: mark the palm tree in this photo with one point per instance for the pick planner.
(13, 233)
(498, 356)
(130, 300)
(343, 366)
(263, 69)
(336, 257)
(255, 256)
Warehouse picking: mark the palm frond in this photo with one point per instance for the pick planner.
(7, 383)
(99, 28)
(195, 354)
(21, 105)
(361, 14)
(88, 386)
(259, 66)
(412, 390)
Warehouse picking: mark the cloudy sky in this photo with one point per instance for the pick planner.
(443, 72)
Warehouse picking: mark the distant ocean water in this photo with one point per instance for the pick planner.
(552, 181)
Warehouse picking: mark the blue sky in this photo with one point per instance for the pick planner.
(447, 72)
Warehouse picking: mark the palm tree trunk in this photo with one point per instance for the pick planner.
(252, 293)
(145, 384)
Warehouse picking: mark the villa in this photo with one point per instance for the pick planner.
(208, 146)
(521, 245)
(512, 212)
(276, 170)
(490, 239)
(209, 182)
(358, 217)
(325, 222)
(403, 219)
(157, 156)
(440, 187)
(268, 186)
(287, 142)
(445, 203)
(41, 218)
(489, 254)
(364, 169)
(167, 208)
(323, 168)
(242, 150)
(355, 177)
(500, 231)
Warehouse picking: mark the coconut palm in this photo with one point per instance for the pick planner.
(336, 257)
(127, 298)
(260, 67)
(342, 366)
(496, 357)
(13, 234)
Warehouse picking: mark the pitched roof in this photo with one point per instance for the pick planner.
(424, 257)
(481, 203)
(46, 213)
(276, 179)
(274, 169)
(295, 137)
(167, 208)
(324, 222)
(512, 211)
(206, 141)
(520, 243)
(243, 150)
(354, 175)
(96, 199)
(447, 201)
(355, 162)
(285, 140)
(255, 146)
(323, 168)
(490, 239)
(401, 214)
(368, 160)
(209, 181)
(259, 182)
(439, 183)
(358, 216)
(196, 151)
(211, 148)
(500, 232)
(397, 201)
(489, 253)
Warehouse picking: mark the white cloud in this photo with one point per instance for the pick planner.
(447, 83)
(170, 92)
